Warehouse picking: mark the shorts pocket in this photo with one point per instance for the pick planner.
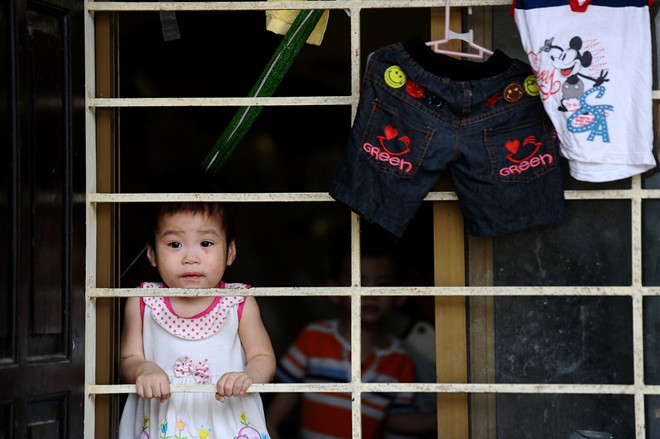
(391, 143)
(522, 153)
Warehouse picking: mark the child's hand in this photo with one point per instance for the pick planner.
(153, 382)
(232, 384)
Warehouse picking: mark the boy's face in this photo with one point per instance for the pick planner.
(376, 271)
(191, 250)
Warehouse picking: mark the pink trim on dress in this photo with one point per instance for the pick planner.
(240, 308)
(201, 314)
(148, 285)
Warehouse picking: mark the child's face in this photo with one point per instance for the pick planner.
(377, 271)
(191, 250)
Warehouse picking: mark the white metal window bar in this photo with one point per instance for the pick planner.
(636, 194)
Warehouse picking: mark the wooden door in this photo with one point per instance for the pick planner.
(42, 219)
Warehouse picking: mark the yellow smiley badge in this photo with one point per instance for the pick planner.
(394, 77)
(531, 86)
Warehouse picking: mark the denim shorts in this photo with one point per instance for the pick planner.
(421, 114)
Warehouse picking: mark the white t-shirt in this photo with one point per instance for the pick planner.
(592, 60)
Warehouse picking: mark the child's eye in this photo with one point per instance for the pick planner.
(206, 244)
(174, 244)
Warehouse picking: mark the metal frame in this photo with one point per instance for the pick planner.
(636, 194)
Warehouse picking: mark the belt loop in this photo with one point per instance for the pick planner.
(467, 98)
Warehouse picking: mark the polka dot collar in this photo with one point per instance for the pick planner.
(198, 327)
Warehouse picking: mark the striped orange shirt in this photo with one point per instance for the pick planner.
(321, 355)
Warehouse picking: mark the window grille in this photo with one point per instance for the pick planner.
(636, 195)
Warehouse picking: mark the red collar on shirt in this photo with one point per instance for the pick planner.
(576, 7)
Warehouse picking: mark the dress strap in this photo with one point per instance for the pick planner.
(240, 308)
(142, 305)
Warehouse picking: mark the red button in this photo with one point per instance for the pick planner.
(414, 90)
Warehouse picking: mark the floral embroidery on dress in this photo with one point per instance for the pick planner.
(180, 425)
(145, 428)
(163, 430)
(248, 432)
(204, 432)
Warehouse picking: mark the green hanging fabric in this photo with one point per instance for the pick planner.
(268, 81)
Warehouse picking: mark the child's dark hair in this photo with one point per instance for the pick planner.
(188, 181)
(374, 242)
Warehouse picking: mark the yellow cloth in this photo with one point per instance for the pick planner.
(279, 22)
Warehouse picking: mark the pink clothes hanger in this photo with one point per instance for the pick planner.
(468, 37)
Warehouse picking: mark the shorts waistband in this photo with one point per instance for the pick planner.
(496, 85)
(456, 69)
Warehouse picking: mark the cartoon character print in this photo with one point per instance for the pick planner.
(577, 85)
(571, 64)
(247, 432)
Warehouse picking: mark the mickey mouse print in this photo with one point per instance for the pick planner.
(599, 104)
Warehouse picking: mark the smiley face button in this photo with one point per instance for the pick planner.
(394, 77)
(531, 86)
(414, 90)
(513, 92)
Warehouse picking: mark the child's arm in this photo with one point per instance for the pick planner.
(260, 367)
(151, 380)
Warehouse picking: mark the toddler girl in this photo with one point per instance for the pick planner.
(193, 340)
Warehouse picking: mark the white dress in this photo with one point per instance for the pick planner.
(194, 350)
